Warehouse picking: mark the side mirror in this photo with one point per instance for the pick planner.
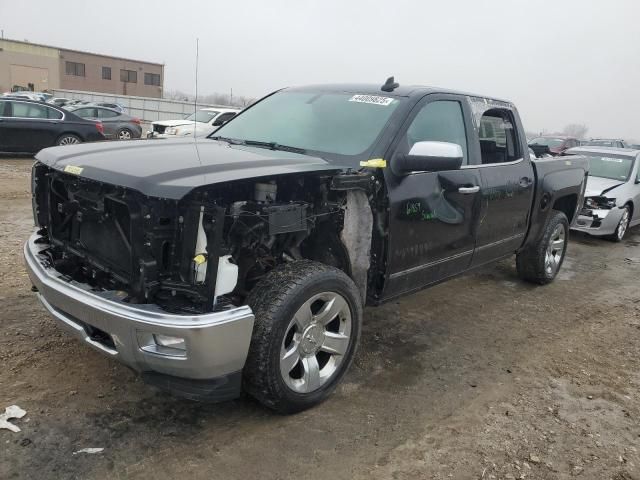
(430, 157)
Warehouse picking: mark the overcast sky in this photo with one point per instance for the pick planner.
(560, 61)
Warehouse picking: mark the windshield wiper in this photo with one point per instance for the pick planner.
(232, 141)
(259, 144)
(273, 146)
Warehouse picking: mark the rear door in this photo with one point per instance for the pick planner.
(31, 127)
(433, 216)
(507, 181)
(111, 121)
(5, 145)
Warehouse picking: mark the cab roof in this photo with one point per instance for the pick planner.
(374, 89)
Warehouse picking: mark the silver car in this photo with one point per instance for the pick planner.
(612, 198)
(117, 125)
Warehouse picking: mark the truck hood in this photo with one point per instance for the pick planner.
(172, 168)
(597, 186)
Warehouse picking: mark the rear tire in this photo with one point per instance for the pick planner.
(307, 328)
(124, 134)
(541, 263)
(68, 139)
(623, 226)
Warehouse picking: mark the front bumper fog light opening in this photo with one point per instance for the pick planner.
(161, 344)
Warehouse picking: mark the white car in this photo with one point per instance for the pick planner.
(36, 96)
(200, 123)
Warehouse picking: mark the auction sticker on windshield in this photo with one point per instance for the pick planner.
(374, 99)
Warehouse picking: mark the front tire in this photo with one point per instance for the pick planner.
(307, 328)
(622, 227)
(541, 263)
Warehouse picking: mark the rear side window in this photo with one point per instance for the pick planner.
(86, 112)
(498, 138)
(439, 121)
(224, 117)
(33, 110)
(104, 113)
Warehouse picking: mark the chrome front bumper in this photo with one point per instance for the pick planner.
(216, 343)
(600, 222)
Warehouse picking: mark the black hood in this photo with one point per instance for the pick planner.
(172, 168)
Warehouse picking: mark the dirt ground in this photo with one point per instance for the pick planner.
(481, 377)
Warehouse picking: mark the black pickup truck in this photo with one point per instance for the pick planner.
(243, 261)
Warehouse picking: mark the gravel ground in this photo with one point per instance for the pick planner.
(480, 377)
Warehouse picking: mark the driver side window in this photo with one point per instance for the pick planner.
(439, 121)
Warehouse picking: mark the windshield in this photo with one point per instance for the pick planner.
(202, 116)
(548, 141)
(609, 167)
(332, 125)
(600, 143)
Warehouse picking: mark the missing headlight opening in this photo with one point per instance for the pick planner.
(160, 251)
(600, 202)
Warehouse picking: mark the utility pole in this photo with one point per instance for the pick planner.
(231, 97)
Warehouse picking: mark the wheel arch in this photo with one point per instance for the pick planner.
(567, 204)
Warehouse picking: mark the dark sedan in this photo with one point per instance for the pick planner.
(27, 126)
(554, 145)
(116, 124)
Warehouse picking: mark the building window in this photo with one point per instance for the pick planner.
(129, 76)
(76, 69)
(106, 73)
(152, 79)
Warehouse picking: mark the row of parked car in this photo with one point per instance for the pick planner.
(556, 144)
(30, 121)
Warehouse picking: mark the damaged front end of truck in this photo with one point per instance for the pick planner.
(205, 251)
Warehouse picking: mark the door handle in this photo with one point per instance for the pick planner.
(468, 190)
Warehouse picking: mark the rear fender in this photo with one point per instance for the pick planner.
(561, 190)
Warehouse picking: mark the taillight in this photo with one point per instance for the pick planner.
(136, 120)
(100, 127)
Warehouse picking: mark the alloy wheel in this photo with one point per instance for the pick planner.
(124, 135)
(555, 250)
(624, 223)
(68, 141)
(315, 342)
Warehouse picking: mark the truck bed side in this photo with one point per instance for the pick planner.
(559, 185)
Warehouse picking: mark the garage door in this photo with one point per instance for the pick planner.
(30, 77)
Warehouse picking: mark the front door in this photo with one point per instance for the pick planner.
(433, 216)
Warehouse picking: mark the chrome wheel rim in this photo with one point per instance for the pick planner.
(69, 141)
(555, 250)
(315, 342)
(624, 222)
(124, 135)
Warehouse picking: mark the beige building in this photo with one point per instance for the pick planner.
(36, 67)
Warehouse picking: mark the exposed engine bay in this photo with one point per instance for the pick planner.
(201, 253)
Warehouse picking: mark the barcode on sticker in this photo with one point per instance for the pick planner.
(374, 99)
